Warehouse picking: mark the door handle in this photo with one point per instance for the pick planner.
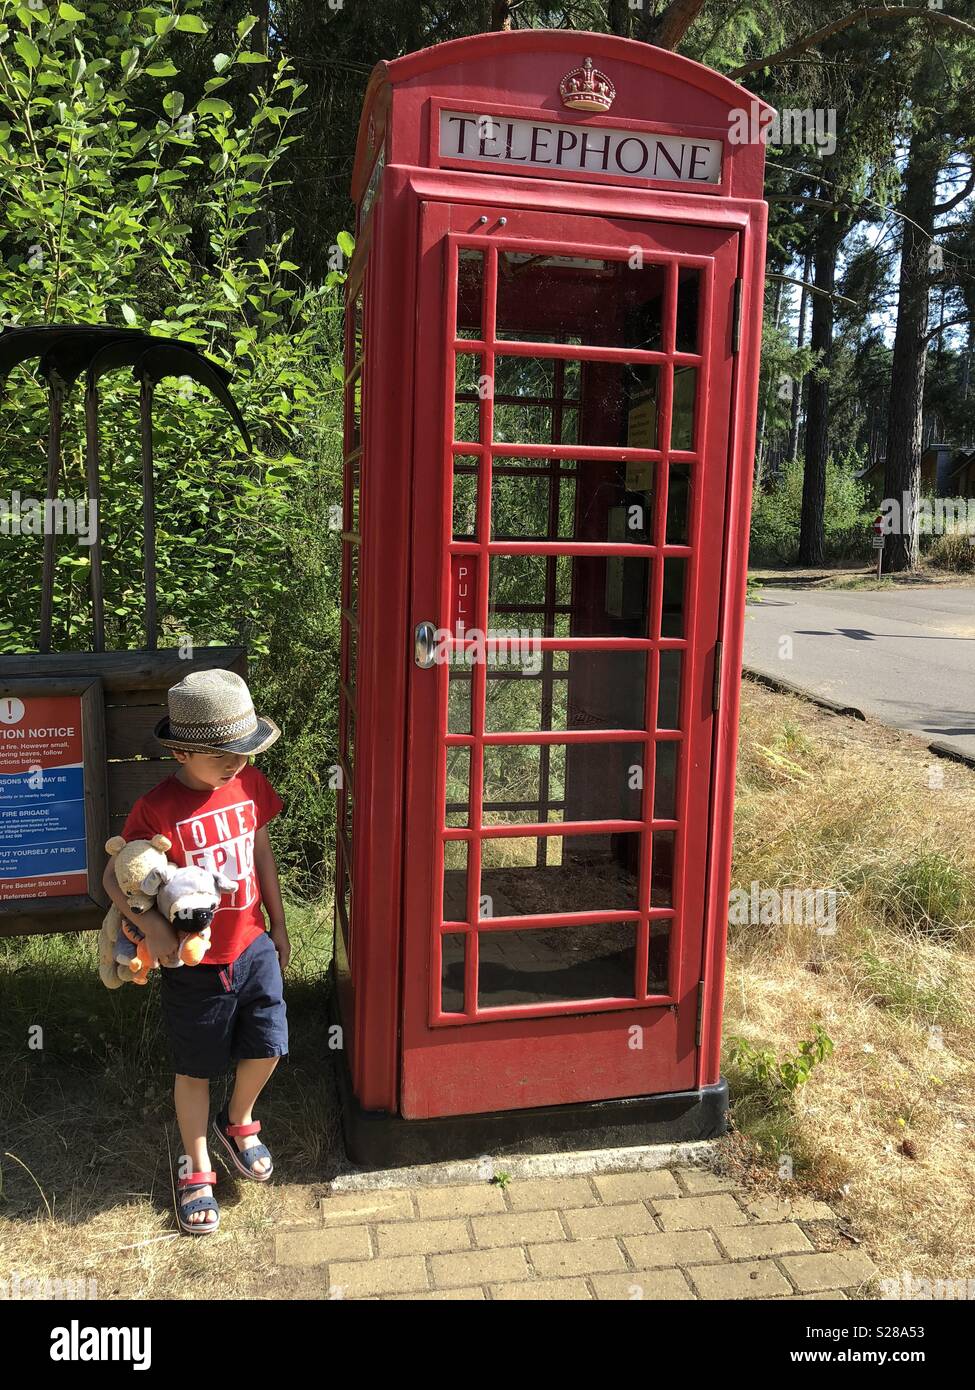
(424, 645)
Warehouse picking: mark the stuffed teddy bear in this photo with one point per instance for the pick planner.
(123, 956)
(188, 898)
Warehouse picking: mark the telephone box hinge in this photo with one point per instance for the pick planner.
(699, 1029)
(736, 318)
(716, 689)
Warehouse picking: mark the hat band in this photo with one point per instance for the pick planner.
(215, 733)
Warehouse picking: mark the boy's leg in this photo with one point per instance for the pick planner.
(253, 1074)
(192, 1097)
(260, 1034)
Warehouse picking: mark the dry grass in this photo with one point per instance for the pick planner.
(830, 802)
(87, 1136)
(958, 575)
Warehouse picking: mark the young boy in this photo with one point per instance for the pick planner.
(215, 809)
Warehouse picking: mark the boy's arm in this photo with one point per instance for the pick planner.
(160, 937)
(267, 877)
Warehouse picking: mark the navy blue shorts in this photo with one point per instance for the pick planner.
(217, 1014)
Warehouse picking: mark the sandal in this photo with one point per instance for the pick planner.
(197, 1228)
(243, 1159)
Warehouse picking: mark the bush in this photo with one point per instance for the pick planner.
(764, 1086)
(932, 895)
(166, 192)
(952, 551)
(776, 513)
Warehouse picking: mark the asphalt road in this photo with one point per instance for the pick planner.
(903, 656)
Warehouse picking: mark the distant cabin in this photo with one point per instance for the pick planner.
(945, 472)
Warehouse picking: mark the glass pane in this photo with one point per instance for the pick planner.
(458, 786)
(665, 782)
(570, 595)
(356, 334)
(626, 596)
(533, 592)
(535, 400)
(469, 383)
(529, 783)
(559, 963)
(355, 404)
(455, 880)
(351, 642)
(465, 498)
(668, 701)
(470, 279)
(574, 690)
(574, 299)
(672, 621)
(688, 309)
(347, 812)
(523, 784)
(346, 914)
(525, 875)
(584, 500)
(459, 699)
(662, 869)
(352, 569)
(682, 419)
(452, 954)
(643, 393)
(678, 503)
(659, 959)
(533, 500)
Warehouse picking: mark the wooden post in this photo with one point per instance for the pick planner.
(148, 510)
(94, 499)
(55, 401)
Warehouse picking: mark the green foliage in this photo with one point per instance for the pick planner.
(930, 894)
(127, 202)
(908, 991)
(783, 368)
(776, 512)
(765, 1086)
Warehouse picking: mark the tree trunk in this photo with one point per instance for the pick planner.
(798, 383)
(500, 16)
(618, 18)
(902, 473)
(673, 24)
(812, 535)
(763, 423)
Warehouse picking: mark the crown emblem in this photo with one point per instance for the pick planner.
(587, 89)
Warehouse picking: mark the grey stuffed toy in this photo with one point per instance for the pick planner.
(188, 897)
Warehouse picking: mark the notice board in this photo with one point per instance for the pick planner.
(52, 794)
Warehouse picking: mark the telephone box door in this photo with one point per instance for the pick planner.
(574, 378)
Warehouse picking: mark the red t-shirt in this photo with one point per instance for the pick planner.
(214, 830)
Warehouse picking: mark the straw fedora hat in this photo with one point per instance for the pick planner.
(212, 711)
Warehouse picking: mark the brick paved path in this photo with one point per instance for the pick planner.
(679, 1233)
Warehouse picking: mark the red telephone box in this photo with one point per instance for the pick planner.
(552, 352)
